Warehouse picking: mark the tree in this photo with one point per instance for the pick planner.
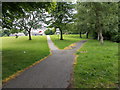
(62, 15)
(24, 12)
(31, 21)
(97, 17)
(15, 10)
(85, 21)
(106, 18)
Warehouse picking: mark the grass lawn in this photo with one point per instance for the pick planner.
(68, 39)
(20, 53)
(97, 66)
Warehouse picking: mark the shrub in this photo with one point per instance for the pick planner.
(116, 38)
(49, 32)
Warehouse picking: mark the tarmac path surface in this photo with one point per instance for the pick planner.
(53, 72)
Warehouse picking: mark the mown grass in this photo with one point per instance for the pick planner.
(68, 39)
(97, 65)
(19, 53)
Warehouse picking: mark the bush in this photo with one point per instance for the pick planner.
(49, 32)
(53, 31)
(116, 38)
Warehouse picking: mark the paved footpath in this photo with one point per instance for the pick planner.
(53, 72)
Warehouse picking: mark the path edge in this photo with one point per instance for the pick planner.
(69, 46)
(71, 84)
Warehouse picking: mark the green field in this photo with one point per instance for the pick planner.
(68, 39)
(97, 65)
(20, 53)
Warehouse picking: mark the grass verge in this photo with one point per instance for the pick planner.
(20, 53)
(97, 65)
(68, 39)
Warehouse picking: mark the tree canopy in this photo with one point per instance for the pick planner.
(24, 15)
(98, 19)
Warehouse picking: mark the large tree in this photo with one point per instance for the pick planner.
(31, 20)
(13, 11)
(62, 15)
(98, 17)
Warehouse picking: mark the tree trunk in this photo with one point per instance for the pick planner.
(87, 34)
(98, 37)
(98, 24)
(101, 37)
(29, 33)
(80, 34)
(61, 35)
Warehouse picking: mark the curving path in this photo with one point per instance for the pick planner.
(53, 72)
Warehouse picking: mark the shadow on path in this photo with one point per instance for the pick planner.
(53, 72)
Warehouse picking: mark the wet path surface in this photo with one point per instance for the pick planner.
(53, 72)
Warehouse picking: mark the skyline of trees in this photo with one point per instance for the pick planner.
(97, 19)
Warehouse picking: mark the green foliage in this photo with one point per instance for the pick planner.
(20, 53)
(24, 15)
(53, 30)
(25, 32)
(6, 32)
(97, 17)
(62, 15)
(71, 28)
(97, 66)
(92, 17)
(116, 38)
(50, 32)
(15, 31)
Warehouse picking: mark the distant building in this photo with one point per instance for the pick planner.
(57, 31)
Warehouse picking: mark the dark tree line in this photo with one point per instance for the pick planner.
(100, 19)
